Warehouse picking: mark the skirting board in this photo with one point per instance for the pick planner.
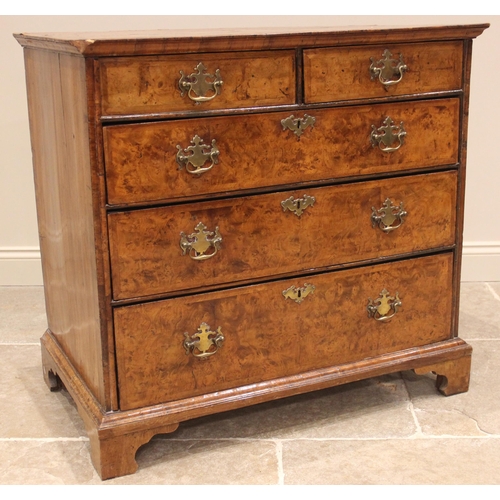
(481, 261)
(21, 265)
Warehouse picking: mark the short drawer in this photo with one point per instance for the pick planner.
(183, 347)
(196, 82)
(150, 162)
(184, 247)
(345, 73)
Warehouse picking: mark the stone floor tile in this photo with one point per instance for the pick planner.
(471, 461)
(479, 316)
(28, 408)
(494, 289)
(378, 407)
(22, 314)
(168, 461)
(476, 412)
(46, 463)
(161, 461)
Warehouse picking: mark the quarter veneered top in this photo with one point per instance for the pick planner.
(181, 41)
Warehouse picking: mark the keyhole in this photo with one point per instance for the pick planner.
(299, 293)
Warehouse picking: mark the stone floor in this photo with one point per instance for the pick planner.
(394, 429)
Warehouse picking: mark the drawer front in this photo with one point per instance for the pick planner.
(245, 152)
(188, 246)
(258, 334)
(337, 74)
(139, 85)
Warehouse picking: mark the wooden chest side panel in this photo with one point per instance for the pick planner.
(150, 84)
(343, 73)
(268, 336)
(260, 239)
(255, 150)
(56, 88)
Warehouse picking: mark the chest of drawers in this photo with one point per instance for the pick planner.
(230, 218)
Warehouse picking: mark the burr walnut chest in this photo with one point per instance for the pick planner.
(227, 218)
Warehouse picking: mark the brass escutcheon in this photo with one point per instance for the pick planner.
(197, 244)
(388, 71)
(197, 155)
(204, 342)
(387, 135)
(197, 85)
(298, 125)
(298, 294)
(384, 307)
(389, 217)
(299, 205)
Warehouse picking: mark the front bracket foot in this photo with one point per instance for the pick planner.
(114, 456)
(453, 376)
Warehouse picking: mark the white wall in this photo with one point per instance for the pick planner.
(19, 255)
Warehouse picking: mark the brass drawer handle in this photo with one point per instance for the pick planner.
(204, 342)
(387, 135)
(388, 71)
(384, 307)
(197, 155)
(198, 243)
(197, 85)
(298, 125)
(389, 217)
(298, 294)
(299, 205)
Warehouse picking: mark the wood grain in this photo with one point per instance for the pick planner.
(107, 262)
(150, 84)
(256, 152)
(180, 41)
(61, 161)
(332, 74)
(269, 337)
(260, 239)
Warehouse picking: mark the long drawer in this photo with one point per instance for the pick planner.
(203, 343)
(360, 72)
(180, 247)
(144, 162)
(140, 85)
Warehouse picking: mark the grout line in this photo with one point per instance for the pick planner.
(495, 294)
(278, 442)
(418, 432)
(279, 457)
(479, 340)
(391, 438)
(19, 343)
(43, 440)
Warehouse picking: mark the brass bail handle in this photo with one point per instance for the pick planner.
(388, 137)
(204, 342)
(200, 86)
(195, 157)
(388, 71)
(384, 307)
(389, 217)
(202, 244)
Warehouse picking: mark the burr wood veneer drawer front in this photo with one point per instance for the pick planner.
(195, 157)
(140, 85)
(183, 247)
(345, 73)
(203, 343)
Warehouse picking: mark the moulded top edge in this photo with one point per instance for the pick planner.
(114, 43)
